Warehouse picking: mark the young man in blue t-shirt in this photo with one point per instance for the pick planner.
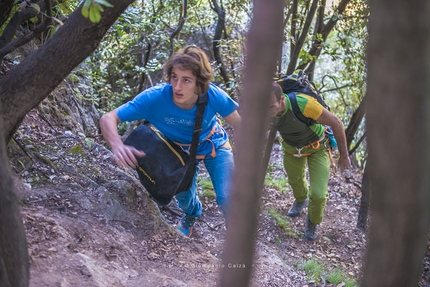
(171, 108)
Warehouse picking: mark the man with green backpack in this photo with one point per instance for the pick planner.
(304, 123)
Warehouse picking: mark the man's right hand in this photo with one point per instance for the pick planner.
(125, 155)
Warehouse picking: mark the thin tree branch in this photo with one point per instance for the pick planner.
(351, 151)
(180, 25)
(39, 29)
(22, 16)
(315, 50)
(220, 27)
(301, 40)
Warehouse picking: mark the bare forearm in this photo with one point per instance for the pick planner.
(339, 134)
(108, 126)
(234, 120)
(329, 119)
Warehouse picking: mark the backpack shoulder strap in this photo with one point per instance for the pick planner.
(201, 104)
(296, 110)
(191, 168)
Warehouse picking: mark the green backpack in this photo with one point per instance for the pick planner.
(298, 82)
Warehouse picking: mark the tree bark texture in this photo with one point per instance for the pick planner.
(182, 19)
(398, 123)
(14, 265)
(260, 66)
(300, 39)
(354, 123)
(363, 212)
(5, 8)
(20, 17)
(315, 50)
(220, 26)
(27, 84)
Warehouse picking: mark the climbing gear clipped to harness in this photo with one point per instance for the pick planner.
(330, 154)
(315, 145)
(215, 129)
(329, 133)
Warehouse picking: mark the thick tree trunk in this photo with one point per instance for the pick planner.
(398, 123)
(22, 89)
(14, 265)
(260, 68)
(27, 84)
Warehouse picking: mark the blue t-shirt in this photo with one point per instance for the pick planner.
(156, 106)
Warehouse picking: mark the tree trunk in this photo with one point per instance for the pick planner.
(243, 213)
(14, 265)
(220, 26)
(398, 122)
(300, 40)
(182, 19)
(354, 123)
(315, 50)
(363, 212)
(5, 8)
(27, 84)
(20, 17)
(22, 89)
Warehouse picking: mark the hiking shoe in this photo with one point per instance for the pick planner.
(297, 208)
(186, 224)
(311, 230)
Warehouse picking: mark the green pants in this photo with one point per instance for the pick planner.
(318, 161)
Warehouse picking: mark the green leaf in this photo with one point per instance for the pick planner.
(22, 164)
(77, 149)
(53, 30)
(35, 7)
(94, 14)
(88, 142)
(99, 8)
(85, 11)
(104, 3)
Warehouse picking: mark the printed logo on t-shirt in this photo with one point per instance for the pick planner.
(178, 122)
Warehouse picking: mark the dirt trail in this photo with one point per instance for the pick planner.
(88, 223)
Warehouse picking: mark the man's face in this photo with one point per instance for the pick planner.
(275, 106)
(184, 88)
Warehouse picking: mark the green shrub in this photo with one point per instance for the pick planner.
(316, 271)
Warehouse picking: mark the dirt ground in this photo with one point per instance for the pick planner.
(88, 223)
